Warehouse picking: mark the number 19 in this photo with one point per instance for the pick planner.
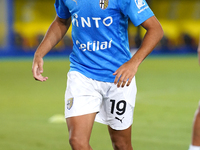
(120, 106)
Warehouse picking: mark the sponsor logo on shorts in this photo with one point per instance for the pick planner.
(119, 119)
(103, 4)
(70, 103)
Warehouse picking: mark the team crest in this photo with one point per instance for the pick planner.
(70, 103)
(139, 3)
(103, 4)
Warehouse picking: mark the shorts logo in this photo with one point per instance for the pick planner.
(103, 4)
(119, 119)
(70, 103)
(139, 3)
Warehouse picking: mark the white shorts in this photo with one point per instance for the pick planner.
(85, 95)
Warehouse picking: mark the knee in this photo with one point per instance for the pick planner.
(122, 146)
(77, 143)
(73, 141)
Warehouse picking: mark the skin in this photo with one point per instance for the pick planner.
(128, 70)
(80, 127)
(56, 32)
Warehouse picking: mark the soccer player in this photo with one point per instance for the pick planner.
(195, 145)
(101, 80)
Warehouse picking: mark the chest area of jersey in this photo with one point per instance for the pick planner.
(92, 13)
(90, 7)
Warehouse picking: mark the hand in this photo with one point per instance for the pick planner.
(125, 74)
(37, 69)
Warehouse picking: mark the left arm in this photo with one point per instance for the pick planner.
(128, 70)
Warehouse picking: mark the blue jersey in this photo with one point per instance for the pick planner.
(99, 33)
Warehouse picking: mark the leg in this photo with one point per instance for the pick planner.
(196, 128)
(80, 128)
(121, 139)
(119, 115)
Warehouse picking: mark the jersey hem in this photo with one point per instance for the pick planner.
(94, 77)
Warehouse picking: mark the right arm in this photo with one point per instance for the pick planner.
(55, 33)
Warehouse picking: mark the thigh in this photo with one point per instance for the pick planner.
(121, 139)
(120, 135)
(81, 97)
(80, 127)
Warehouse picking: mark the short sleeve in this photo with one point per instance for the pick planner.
(137, 10)
(61, 10)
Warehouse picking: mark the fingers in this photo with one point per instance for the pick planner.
(37, 70)
(122, 79)
(40, 68)
(41, 78)
(129, 82)
(37, 74)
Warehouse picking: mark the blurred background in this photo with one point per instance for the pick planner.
(23, 24)
(32, 113)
